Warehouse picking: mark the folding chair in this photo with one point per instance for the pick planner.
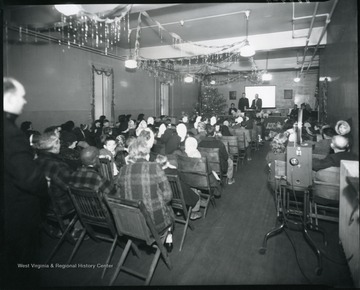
(233, 148)
(213, 159)
(133, 220)
(196, 173)
(178, 203)
(57, 216)
(106, 169)
(94, 215)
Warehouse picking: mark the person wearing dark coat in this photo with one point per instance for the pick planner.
(22, 196)
(243, 103)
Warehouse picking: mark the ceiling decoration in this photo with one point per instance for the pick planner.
(132, 32)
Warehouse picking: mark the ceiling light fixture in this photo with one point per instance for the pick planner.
(247, 50)
(131, 63)
(297, 78)
(266, 76)
(69, 9)
(188, 78)
(212, 82)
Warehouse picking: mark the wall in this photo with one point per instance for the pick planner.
(58, 83)
(339, 61)
(302, 91)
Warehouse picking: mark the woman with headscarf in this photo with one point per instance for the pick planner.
(142, 125)
(191, 150)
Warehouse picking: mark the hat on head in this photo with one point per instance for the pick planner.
(67, 137)
(346, 127)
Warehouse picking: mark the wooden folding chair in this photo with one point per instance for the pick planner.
(106, 169)
(233, 148)
(213, 159)
(196, 173)
(94, 215)
(178, 203)
(57, 216)
(133, 220)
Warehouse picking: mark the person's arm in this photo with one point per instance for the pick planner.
(260, 104)
(164, 184)
(318, 164)
(247, 103)
(22, 168)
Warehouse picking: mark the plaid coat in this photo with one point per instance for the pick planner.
(90, 178)
(146, 181)
(54, 167)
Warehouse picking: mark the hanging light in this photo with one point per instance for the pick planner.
(69, 9)
(247, 50)
(188, 78)
(131, 63)
(266, 76)
(212, 82)
(297, 78)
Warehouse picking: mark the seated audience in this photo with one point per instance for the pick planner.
(88, 176)
(224, 129)
(83, 134)
(340, 145)
(68, 153)
(209, 141)
(232, 109)
(146, 181)
(109, 151)
(244, 138)
(278, 148)
(53, 166)
(323, 147)
(294, 113)
(190, 196)
(191, 148)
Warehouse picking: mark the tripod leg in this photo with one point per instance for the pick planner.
(272, 232)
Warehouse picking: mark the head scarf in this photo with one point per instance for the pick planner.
(191, 148)
(150, 121)
(212, 120)
(181, 131)
(162, 129)
(141, 127)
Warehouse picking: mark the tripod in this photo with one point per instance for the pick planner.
(284, 221)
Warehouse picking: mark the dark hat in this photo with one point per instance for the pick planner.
(68, 137)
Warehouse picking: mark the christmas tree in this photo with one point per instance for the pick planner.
(212, 102)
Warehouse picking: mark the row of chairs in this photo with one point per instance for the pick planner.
(108, 219)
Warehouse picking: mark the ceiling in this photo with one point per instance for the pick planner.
(277, 31)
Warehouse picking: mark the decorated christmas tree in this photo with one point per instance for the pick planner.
(212, 102)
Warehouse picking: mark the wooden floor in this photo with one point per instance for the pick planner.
(223, 249)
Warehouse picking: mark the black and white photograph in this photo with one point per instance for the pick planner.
(180, 144)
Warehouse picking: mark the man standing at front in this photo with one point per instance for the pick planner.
(24, 192)
(243, 103)
(256, 103)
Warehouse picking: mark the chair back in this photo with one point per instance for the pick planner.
(132, 219)
(106, 169)
(91, 209)
(177, 201)
(326, 184)
(233, 144)
(213, 159)
(194, 172)
(242, 141)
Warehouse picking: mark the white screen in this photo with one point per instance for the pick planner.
(266, 93)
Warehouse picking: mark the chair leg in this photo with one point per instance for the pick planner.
(69, 227)
(82, 236)
(152, 267)
(121, 262)
(316, 217)
(110, 255)
(185, 229)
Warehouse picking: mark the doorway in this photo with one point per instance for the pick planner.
(165, 99)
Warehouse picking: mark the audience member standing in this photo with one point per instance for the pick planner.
(24, 187)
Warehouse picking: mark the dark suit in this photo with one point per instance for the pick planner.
(22, 198)
(256, 104)
(243, 102)
(332, 160)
